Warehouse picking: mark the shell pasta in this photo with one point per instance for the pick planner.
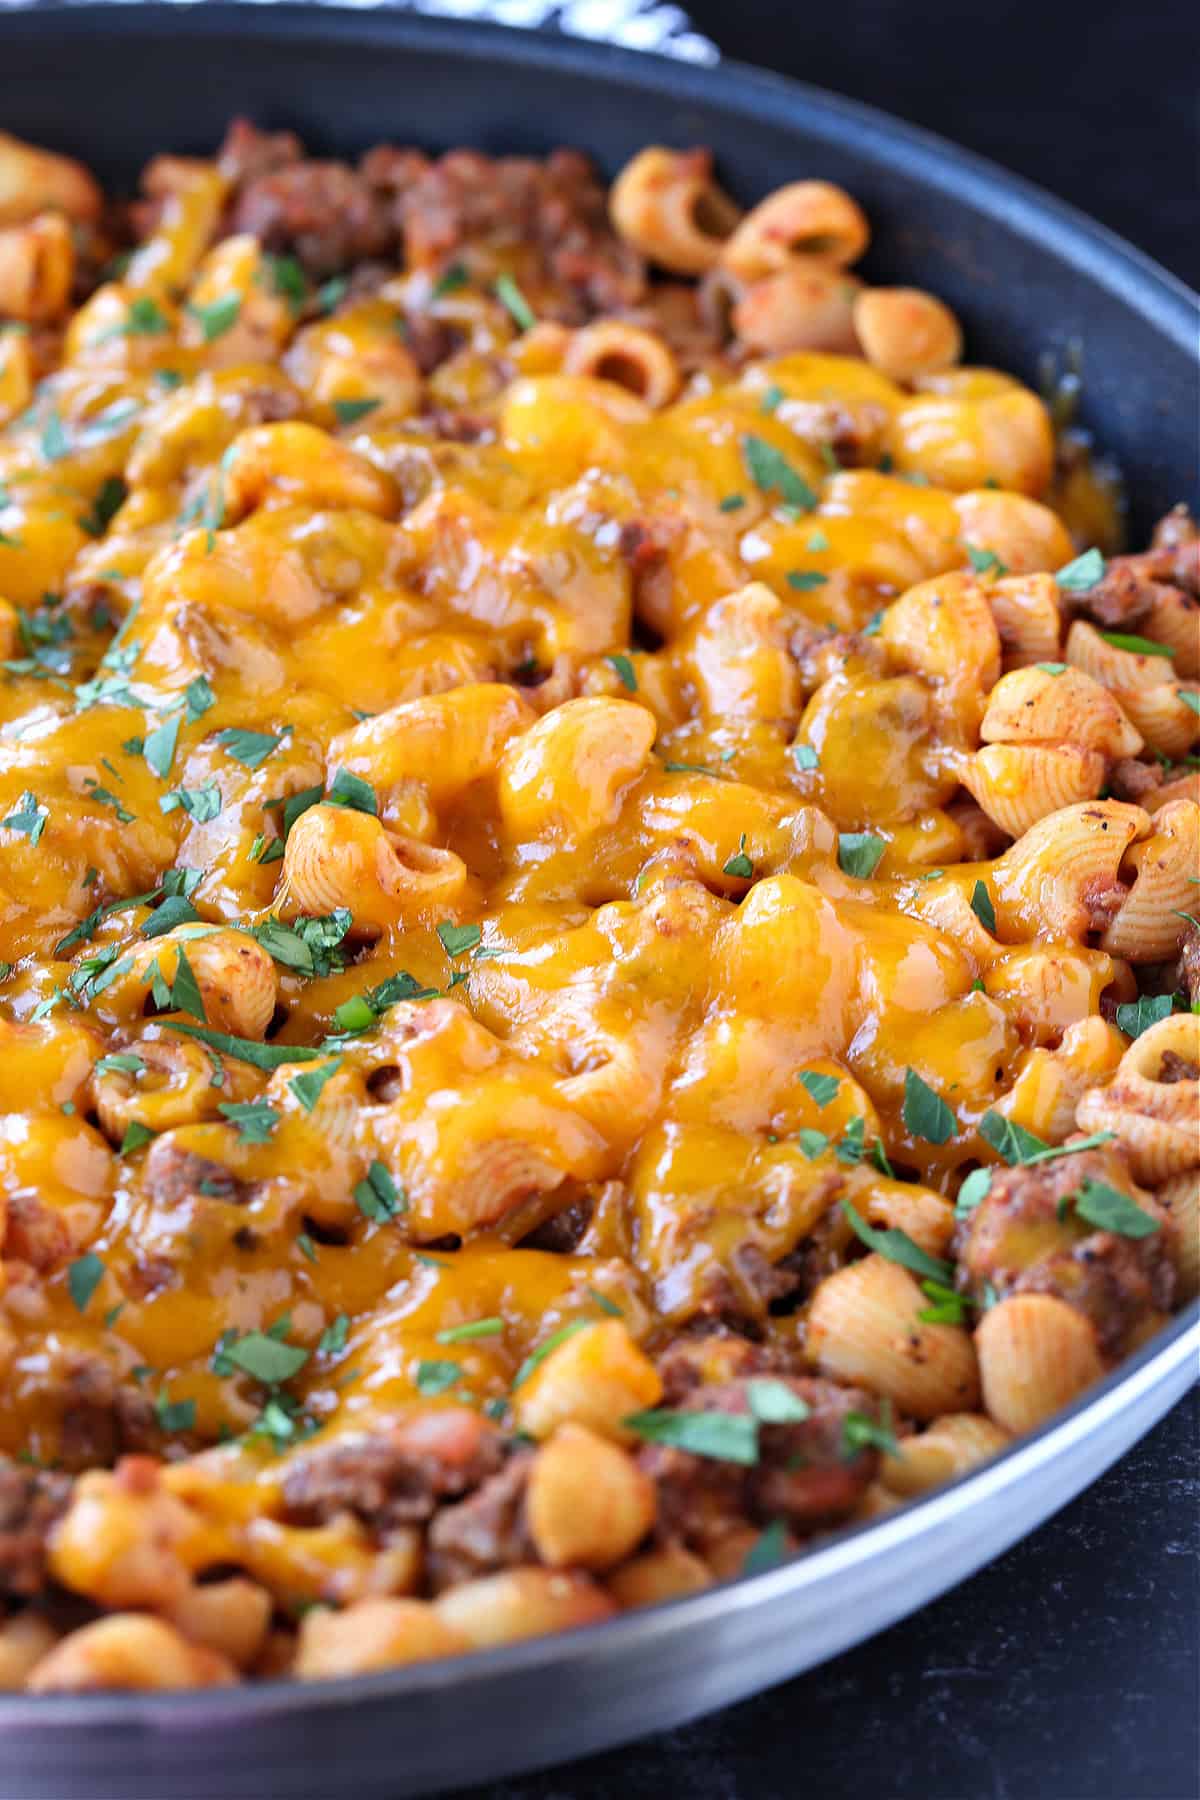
(599, 882)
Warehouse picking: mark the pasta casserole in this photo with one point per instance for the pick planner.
(599, 877)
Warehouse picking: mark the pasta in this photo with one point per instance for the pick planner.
(600, 948)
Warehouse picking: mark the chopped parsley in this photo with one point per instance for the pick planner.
(739, 865)
(55, 443)
(289, 281)
(200, 804)
(455, 939)
(1110, 1210)
(434, 1376)
(29, 818)
(308, 1086)
(861, 1432)
(255, 1119)
(248, 1050)
(177, 909)
(331, 293)
(981, 906)
(378, 1198)
(860, 853)
(362, 1011)
(120, 1063)
(308, 945)
(768, 1550)
(450, 281)
(218, 317)
(805, 757)
(1136, 1016)
(143, 318)
(352, 792)
(185, 990)
(136, 1136)
(624, 671)
(724, 1437)
(538, 1356)
(1083, 572)
(335, 1335)
(475, 1328)
(249, 747)
(822, 1088)
(262, 1356)
(805, 580)
(985, 562)
(772, 1402)
(852, 1144)
(83, 1278)
(925, 1113)
(518, 307)
(1016, 1145)
(159, 745)
(973, 1192)
(949, 1307)
(106, 504)
(732, 503)
(174, 1415)
(771, 472)
(898, 1247)
(350, 411)
(1137, 646)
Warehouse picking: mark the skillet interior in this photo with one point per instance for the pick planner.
(115, 83)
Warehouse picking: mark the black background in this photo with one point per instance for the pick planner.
(1069, 1669)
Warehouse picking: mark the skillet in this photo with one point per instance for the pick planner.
(1031, 279)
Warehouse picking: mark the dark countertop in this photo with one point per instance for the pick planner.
(1069, 1669)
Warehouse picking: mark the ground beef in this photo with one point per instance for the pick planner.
(452, 427)
(394, 1478)
(322, 213)
(562, 1234)
(36, 1234)
(31, 1501)
(805, 1475)
(1120, 600)
(1103, 899)
(762, 1282)
(100, 1419)
(174, 1175)
(558, 206)
(709, 1357)
(818, 1255)
(1189, 963)
(1177, 564)
(1134, 780)
(399, 205)
(248, 152)
(1175, 529)
(1024, 1238)
(485, 1532)
(1174, 1067)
